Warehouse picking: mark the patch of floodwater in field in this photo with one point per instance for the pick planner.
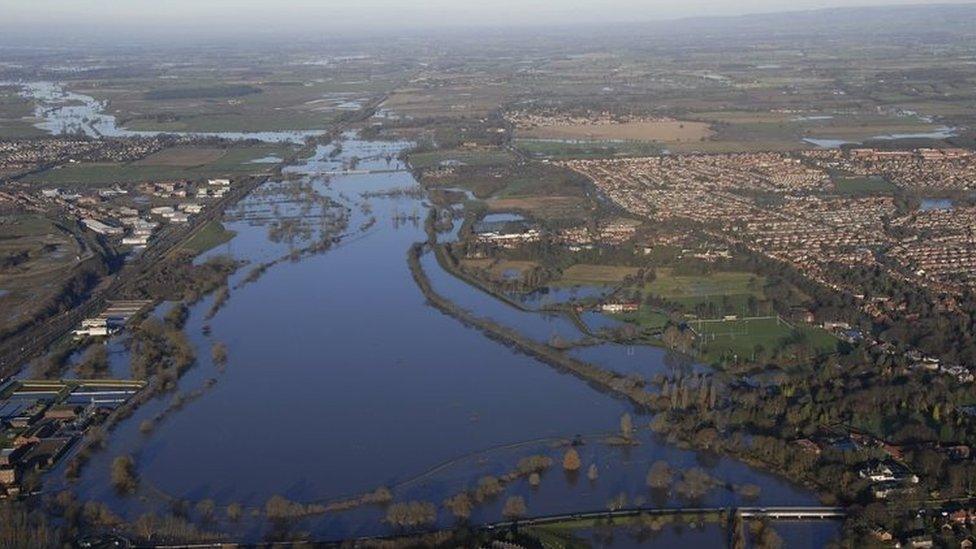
(930, 204)
(553, 295)
(63, 112)
(943, 132)
(502, 218)
(642, 360)
(596, 321)
(812, 118)
(341, 379)
(267, 160)
(828, 143)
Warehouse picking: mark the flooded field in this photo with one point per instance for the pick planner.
(341, 379)
(61, 112)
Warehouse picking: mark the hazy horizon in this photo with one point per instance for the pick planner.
(227, 16)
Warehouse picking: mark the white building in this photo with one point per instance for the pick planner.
(100, 228)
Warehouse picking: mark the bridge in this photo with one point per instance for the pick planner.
(793, 513)
(359, 172)
(772, 513)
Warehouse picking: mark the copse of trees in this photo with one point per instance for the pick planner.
(411, 514)
(514, 508)
(660, 476)
(124, 477)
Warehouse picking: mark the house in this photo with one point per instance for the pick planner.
(835, 325)
(919, 542)
(63, 412)
(191, 208)
(881, 534)
(93, 327)
(10, 457)
(808, 445)
(877, 473)
(959, 452)
(141, 240)
(617, 307)
(962, 516)
(8, 476)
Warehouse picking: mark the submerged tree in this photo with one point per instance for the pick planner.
(514, 508)
(571, 460)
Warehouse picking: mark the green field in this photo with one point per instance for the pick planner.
(561, 149)
(291, 99)
(646, 318)
(234, 162)
(16, 115)
(478, 157)
(210, 236)
(726, 339)
(723, 289)
(583, 274)
(863, 185)
(233, 122)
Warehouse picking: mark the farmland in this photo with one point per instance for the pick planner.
(660, 131)
(165, 165)
(16, 115)
(558, 149)
(287, 100)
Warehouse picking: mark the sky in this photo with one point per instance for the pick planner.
(218, 15)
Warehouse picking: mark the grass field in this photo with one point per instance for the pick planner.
(210, 236)
(542, 207)
(500, 269)
(288, 100)
(477, 157)
(183, 157)
(733, 288)
(558, 149)
(164, 165)
(863, 185)
(457, 99)
(234, 122)
(16, 115)
(725, 339)
(37, 256)
(584, 274)
(646, 318)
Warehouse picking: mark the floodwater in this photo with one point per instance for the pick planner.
(62, 112)
(930, 204)
(341, 379)
(829, 143)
